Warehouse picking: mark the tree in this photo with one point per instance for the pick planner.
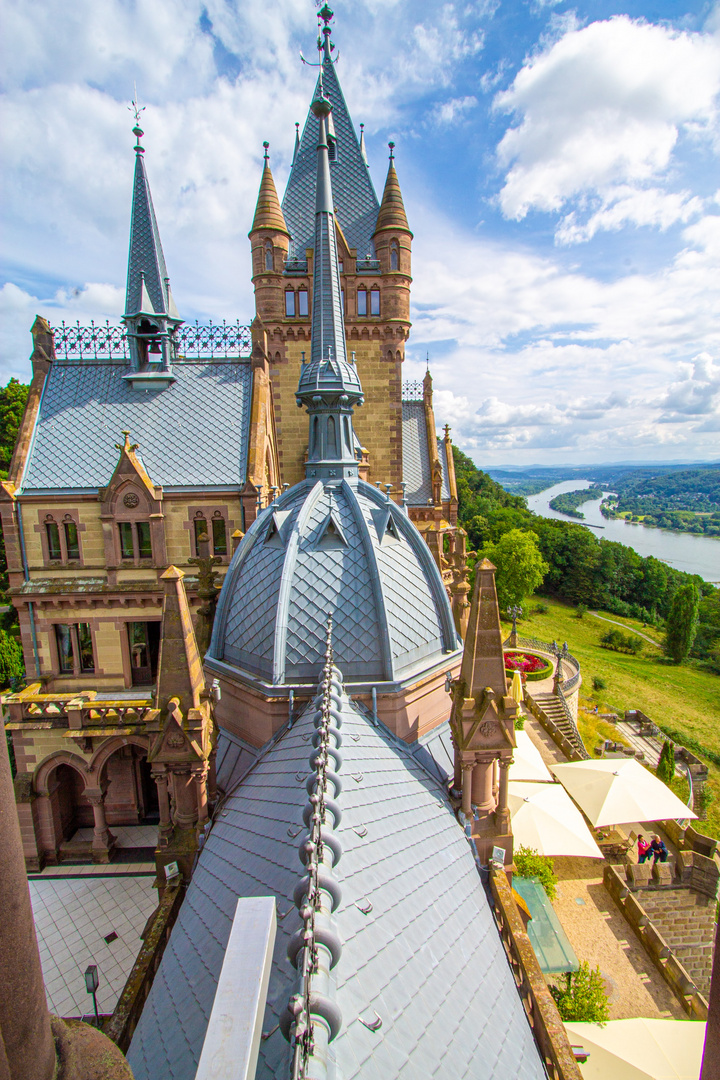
(12, 405)
(682, 623)
(666, 765)
(520, 566)
(583, 997)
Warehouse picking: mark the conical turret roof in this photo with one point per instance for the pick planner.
(268, 214)
(392, 209)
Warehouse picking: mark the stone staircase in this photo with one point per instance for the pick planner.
(557, 712)
(686, 919)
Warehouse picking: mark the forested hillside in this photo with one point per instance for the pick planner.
(582, 568)
(688, 501)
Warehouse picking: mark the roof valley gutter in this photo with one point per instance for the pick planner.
(26, 574)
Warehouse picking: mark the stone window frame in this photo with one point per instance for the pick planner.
(303, 292)
(61, 520)
(372, 298)
(210, 514)
(268, 257)
(290, 301)
(78, 671)
(394, 255)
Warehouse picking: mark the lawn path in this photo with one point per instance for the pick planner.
(624, 627)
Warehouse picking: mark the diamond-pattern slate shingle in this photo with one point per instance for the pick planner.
(192, 433)
(373, 588)
(427, 958)
(354, 196)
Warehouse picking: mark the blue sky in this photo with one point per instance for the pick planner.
(559, 164)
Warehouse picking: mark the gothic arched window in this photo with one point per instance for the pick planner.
(394, 256)
(268, 256)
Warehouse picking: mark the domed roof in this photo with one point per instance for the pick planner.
(337, 548)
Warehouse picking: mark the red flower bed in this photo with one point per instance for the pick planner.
(524, 662)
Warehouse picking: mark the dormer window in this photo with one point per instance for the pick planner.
(268, 256)
(53, 540)
(332, 150)
(135, 542)
(72, 544)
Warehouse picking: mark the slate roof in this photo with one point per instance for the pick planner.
(86, 405)
(354, 196)
(427, 957)
(416, 459)
(390, 610)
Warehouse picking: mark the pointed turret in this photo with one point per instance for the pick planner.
(151, 316)
(363, 151)
(392, 209)
(329, 385)
(393, 242)
(270, 241)
(268, 214)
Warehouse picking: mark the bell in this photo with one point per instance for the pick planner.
(155, 347)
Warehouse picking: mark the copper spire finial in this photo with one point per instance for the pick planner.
(392, 149)
(266, 147)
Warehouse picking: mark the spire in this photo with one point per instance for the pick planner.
(180, 673)
(363, 151)
(268, 214)
(151, 316)
(147, 279)
(483, 662)
(297, 141)
(392, 210)
(329, 385)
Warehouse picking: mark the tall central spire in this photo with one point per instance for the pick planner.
(328, 329)
(329, 385)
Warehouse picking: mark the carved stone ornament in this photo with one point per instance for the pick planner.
(131, 500)
(176, 741)
(487, 728)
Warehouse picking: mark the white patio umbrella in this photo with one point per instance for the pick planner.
(527, 760)
(546, 819)
(516, 688)
(614, 791)
(640, 1049)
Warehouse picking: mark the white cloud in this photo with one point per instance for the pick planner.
(450, 112)
(623, 205)
(600, 113)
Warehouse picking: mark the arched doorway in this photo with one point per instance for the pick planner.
(71, 810)
(131, 793)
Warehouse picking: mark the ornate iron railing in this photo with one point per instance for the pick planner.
(412, 391)
(196, 341)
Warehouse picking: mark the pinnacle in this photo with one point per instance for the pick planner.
(392, 209)
(173, 573)
(268, 214)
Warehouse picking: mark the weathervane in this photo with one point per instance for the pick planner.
(137, 110)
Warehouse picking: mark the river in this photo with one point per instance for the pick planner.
(685, 551)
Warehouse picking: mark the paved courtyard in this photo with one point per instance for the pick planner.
(73, 913)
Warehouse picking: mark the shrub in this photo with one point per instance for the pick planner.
(529, 863)
(583, 998)
(598, 683)
(666, 765)
(580, 611)
(11, 659)
(619, 642)
(519, 722)
(702, 797)
(540, 609)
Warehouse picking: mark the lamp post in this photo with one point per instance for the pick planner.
(92, 982)
(515, 612)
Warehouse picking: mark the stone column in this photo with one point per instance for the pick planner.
(467, 780)
(25, 1035)
(185, 798)
(103, 840)
(200, 777)
(502, 815)
(482, 784)
(165, 827)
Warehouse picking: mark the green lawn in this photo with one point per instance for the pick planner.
(680, 697)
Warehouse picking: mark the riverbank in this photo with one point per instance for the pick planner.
(692, 553)
(683, 698)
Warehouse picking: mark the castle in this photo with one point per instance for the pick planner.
(322, 750)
